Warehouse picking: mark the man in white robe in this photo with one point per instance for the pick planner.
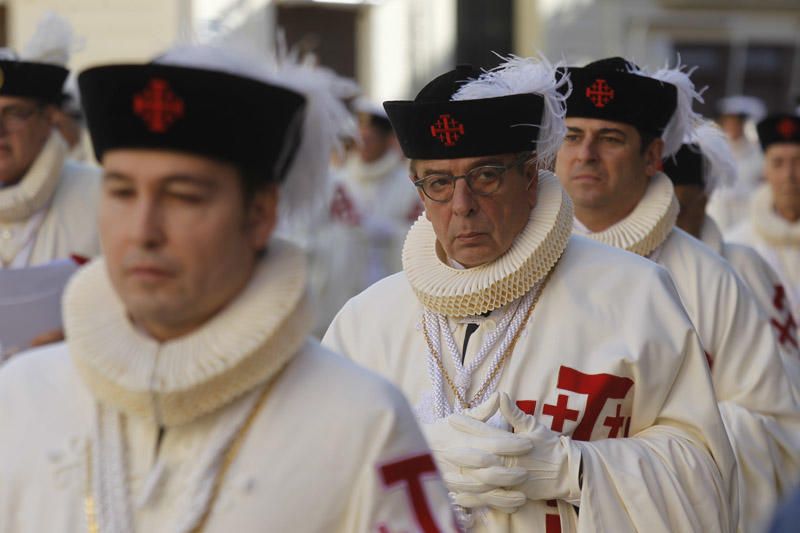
(621, 122)
(188, 396)
(728, 204)
(773, 224)
(47, 202)
(502, 321)
(703, 162)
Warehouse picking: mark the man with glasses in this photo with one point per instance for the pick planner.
(559, 382)
(46, 200)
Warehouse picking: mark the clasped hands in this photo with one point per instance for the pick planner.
(485, 466)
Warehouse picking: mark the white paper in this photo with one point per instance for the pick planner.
(30, 303)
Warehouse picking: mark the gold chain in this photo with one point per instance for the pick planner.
(230, 455)
(501, 363)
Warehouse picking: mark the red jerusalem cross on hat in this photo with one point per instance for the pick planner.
(433, 126)
(779, 128)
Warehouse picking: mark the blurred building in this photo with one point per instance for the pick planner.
(393, 46)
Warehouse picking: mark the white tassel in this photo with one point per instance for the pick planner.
(519, 75)
(53, 41)
(684, 119)
(719, 165)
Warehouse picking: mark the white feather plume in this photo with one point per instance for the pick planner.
(52, 42)
(520, 75)
(719, 165)
(326, 120)
(684, 119)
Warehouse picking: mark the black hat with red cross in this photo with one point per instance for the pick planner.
(29, 79)
(249, 123)
(433, 126)
(779, 128)
(610, 89)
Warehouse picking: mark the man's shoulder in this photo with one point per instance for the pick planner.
(583, 253)
(682, 248)
(38, 378)
(394, 290)
(348, 385)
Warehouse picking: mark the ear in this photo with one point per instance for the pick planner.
(531, 175)
(262, 215)
(652, 157)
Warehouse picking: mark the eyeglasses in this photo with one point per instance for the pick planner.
(14, 117)
(483, 181)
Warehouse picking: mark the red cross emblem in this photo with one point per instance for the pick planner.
(786, 128)
(560, 412)
(158, 106)
(600, 93)
(447, 130)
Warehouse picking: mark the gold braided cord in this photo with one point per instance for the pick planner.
(231, 454)
(90, 509)
(465, 404)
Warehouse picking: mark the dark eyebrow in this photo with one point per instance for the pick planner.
(617, 131)
(196, 181)
(484, 161)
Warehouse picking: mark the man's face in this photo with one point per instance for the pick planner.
(601, 166)
(732, 125)
(474, 230)
(693, 200)
(374, 142)
(782, 172)
(179, 240)
(25, 127)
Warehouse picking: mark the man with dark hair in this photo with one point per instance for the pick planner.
(559, 382)
(622, 199)
(188, 396)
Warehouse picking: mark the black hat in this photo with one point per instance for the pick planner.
(240, 120)
(686, 166)
(41, 81)
(609, 89)
(433, 126)
(779, 128)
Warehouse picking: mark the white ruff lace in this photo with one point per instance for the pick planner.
(469, 292)
(648, 225)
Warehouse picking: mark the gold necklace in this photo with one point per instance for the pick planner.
(90, 509)
(463, 402)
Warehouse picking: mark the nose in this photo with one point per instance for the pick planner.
(587, 150)
(464, 202)
(147, 224)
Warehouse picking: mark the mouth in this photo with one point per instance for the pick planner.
(586, 178)
(148, 273)
(469, 236)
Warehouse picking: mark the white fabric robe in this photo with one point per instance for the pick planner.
(311, 462)
(66, 224)
(782, 252)
(767, 289)
(610, 338)
(756, 398)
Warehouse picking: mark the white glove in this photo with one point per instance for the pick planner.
(470, 454)
(552, 465)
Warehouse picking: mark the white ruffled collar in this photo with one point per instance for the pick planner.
(772, 227)
(648, 225)
(458, 293)
(173, 383)
(21, 200)
(711, 235)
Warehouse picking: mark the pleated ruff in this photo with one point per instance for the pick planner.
(768, 224)
(458, 293)
(649, 224)
(175, 382)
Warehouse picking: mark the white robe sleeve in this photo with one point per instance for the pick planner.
(399, 488)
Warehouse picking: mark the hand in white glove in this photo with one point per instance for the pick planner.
(552, 465)
(470, 454)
